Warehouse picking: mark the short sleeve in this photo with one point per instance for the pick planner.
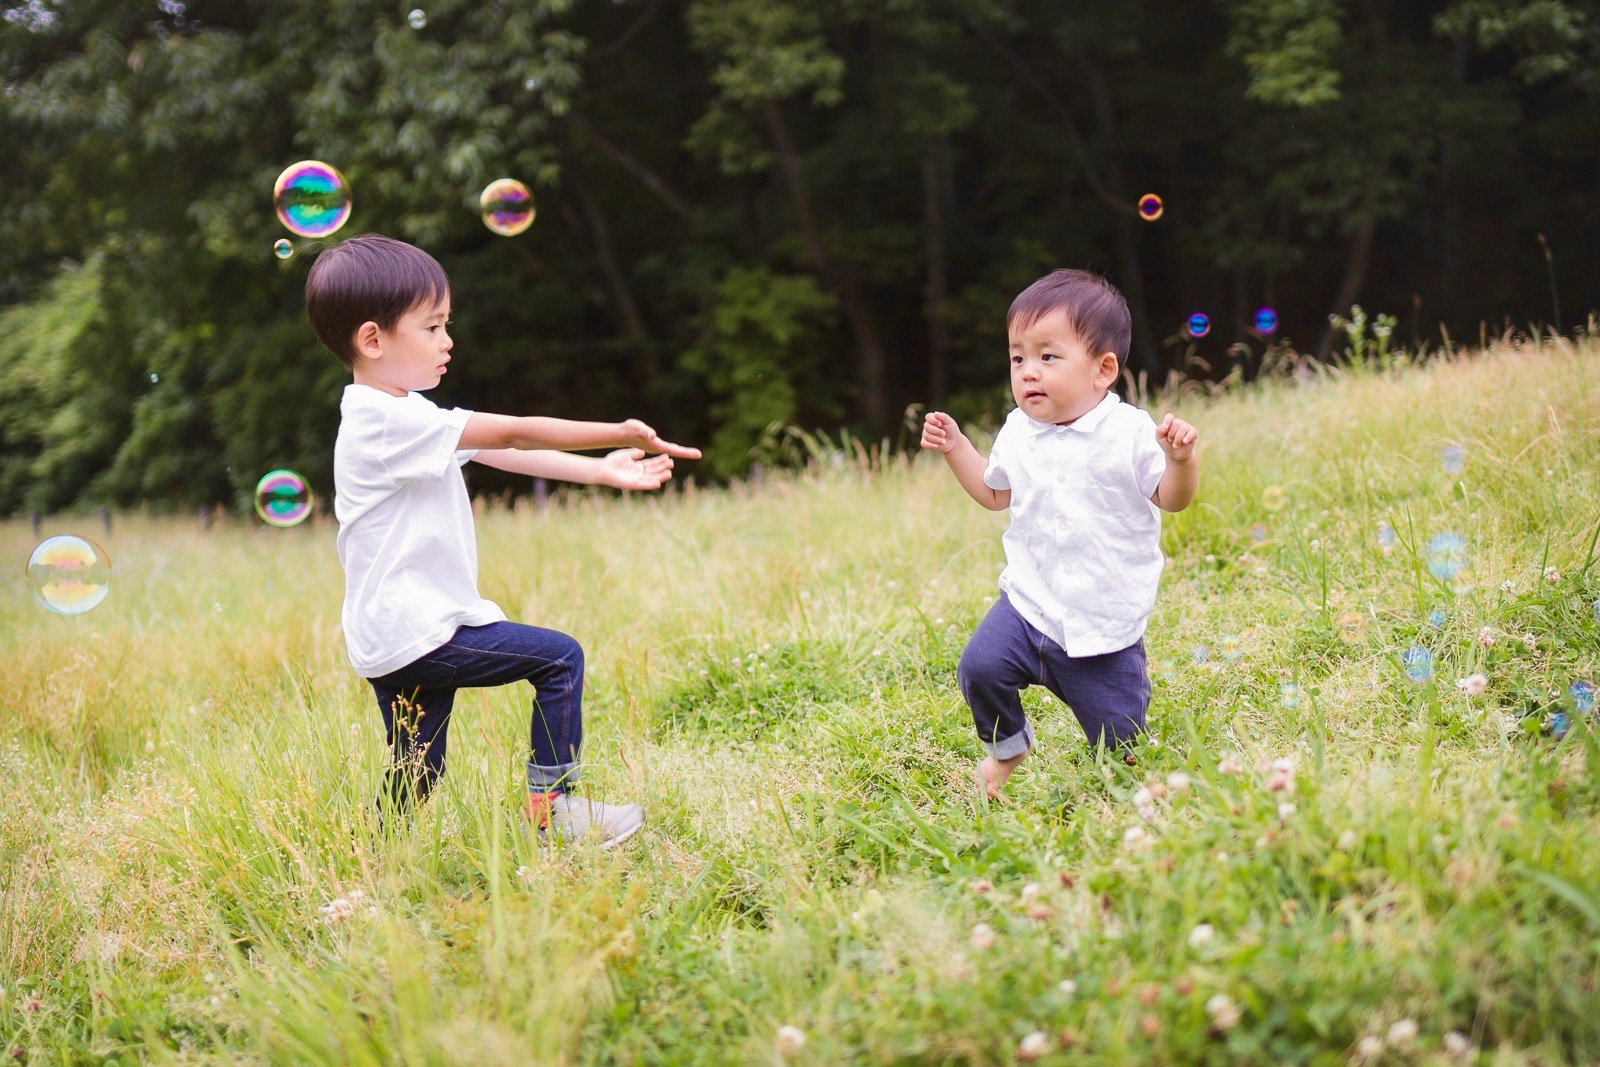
(1149, 462)
(996, 475)
(419, 441)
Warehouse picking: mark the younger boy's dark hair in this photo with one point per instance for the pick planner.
(1094, 307)
(368, 279)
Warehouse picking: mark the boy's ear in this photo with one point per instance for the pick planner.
(368, 343)
(1105, 375)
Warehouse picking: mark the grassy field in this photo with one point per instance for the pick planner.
(189, 871)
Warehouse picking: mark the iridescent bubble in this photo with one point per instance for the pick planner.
(1199, 654)
(1418, 663)
(507, 207)
(1273, 498)
(1597, 611)
(1266, 321)
(1232, 648)
(1258, 533)
(283, 498)
(1436, 618)
(1386, 536)
(417, 19)
(1198, 324)
(1288, 694)
(311, 198)
(1582, 697)
(283, 248)
(69, 575)
(1559, 724)
(1446, 554)
(1454, 458)
(1150, 207)
(155, 379)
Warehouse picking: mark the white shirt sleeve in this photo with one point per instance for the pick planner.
(1149, 462)
(420, 442)
(995, 475)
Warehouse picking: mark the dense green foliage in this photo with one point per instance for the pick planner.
(751, 211)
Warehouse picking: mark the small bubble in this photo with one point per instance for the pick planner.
(1258, 533)
(1453, 459)
(1446, 554)
(1199, 654)
(283, 248)
(1198, 324)
(311, 198)
(1150, 207)
(417, 19)
(1288, 694)
(1436, 619)
(1266, 321)
(1273, 498)
(506, 206)
(69, 575)
(154, 377)
(1418, 663)
(1232, 647)
(1386, 536)
(283, 498)
(1583, 694)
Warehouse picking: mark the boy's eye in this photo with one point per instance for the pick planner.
(1048, 356)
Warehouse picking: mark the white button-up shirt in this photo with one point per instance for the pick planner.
(1083, 551)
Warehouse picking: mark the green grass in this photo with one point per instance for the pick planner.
(185, 775)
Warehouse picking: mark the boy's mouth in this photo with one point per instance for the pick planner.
(1031, 394)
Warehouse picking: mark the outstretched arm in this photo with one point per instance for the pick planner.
(536, 432)
(1182, 477)
(626, 468)
(941, 434)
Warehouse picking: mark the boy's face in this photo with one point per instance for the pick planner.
(409, 358)
(1054, 377)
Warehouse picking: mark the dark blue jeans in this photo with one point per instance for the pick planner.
(416, 701)
(1109, 694)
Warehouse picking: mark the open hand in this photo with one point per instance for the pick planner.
(940, 432)
(630, 468)
(637, 435)
(1176, 438)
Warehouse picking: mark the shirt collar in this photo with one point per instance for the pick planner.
(1085, 423)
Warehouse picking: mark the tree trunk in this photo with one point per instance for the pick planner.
(869, 348)
(937, 288)
(1355, 273)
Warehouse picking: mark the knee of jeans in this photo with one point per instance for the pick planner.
(571, 657)
(977, 669)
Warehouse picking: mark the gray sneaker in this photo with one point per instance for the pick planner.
(576, 817)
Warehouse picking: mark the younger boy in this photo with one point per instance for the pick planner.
(1086, 478)
(414, 624)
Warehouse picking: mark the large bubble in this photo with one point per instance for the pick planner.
(311, 198)
(69, 575)
(283, 498)
(1418, 663)
(1447, 555)
(507, 207)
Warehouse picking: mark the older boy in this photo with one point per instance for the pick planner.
(414, 624)
(1086, 478)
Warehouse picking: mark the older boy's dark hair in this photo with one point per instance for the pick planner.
(1094, 308)
(368, 279)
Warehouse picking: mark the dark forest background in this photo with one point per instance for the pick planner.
(807, 212)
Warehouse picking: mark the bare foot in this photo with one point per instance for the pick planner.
(993, 773)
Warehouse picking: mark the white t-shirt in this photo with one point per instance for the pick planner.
(405, 529)
(1083, 551)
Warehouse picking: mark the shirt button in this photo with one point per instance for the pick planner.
(1069, 613)
(1061, 478)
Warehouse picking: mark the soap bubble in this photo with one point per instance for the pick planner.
(1288, 694)
(283, 498)
(1198, 324)
(1454, 458)
(311, 198)
(69, 575)
(1266, 321)
(417, 19)
(1436, 618)
(1582, 697)
(1273, 498)
(1232, 647)
(1258, 533)
(1386, 536)
(1446, 555)
(283, 248)
(1150, 207)
(507, 207)
(1199, 654)
(1418, 663)
(1559, 724)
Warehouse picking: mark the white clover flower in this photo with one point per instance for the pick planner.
(1508, 586)
(1178, 782)
(1530, 642)
(791, 1039)
(1486, 636)
(1285, 810)
(983, 936)
(1066, 987)
(1030, 891)
(1552, 575)
(1402, 1033)
(1143, 798)
(982, 886)
(1473, 684)
(337, 910)
(1369, 1048)
(1230, 764)
(1202, 935)
(1223, 1011)
(1136, 839)
(1033, 1046)
(1457, 1044)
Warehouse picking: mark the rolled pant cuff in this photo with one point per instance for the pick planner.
(552, 779)
(1015, 745)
